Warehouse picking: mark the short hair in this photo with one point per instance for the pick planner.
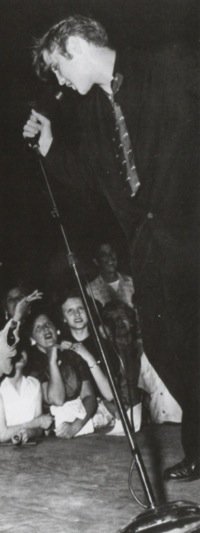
(67, 294)
(57, 36)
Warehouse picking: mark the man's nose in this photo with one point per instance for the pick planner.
(60, 79)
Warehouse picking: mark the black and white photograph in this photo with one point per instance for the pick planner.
(99, 266)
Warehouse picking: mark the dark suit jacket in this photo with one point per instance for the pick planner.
(159, 97)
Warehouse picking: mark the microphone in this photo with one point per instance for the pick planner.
(33, 142)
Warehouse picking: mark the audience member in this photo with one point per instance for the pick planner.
(42, 357)
(76, 319)
(9, 336)
(12, 296)
(110, 284)
(21, 415)
(75, 329)
(64, 376)
(121, 326)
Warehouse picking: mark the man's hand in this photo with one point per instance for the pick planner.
(39, 124)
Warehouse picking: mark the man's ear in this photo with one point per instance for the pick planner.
(75, 45)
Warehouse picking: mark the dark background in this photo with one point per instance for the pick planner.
(30, 244)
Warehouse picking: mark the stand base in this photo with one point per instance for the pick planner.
(177, 516)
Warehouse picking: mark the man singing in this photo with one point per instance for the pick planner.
(138, 143)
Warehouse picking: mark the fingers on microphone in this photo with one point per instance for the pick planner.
(38, 116)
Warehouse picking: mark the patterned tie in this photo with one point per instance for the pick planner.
(125, 142)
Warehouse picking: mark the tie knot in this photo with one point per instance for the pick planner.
(116, 82)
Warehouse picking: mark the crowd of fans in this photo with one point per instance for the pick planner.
(56, 381)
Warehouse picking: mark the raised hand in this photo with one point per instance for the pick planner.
(23, 305)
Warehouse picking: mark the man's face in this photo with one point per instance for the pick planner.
(44, 333)
(73, 72)
(74, 313)
(107, 259)
(13, 297)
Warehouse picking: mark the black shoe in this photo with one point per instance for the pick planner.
(184, 471)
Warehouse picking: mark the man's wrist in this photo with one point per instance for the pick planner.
(44, 146)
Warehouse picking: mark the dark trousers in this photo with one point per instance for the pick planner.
(165, 278)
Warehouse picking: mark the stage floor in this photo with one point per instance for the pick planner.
(81, 486)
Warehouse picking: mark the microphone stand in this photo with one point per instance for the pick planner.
(175, 514)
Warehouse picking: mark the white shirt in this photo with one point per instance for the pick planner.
(20, 406)
(163, 406)
(105, 292)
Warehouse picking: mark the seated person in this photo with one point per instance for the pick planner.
(78, 338)
(11, 297)
(76, 332)
(21, 415)
(120, 323)
(46, 362)
(9, 335)
(110, 284)
(43, 356)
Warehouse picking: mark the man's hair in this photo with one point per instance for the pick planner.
(67, 294)
(57, 36)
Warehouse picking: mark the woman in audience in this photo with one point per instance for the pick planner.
(9, 335)
(64, 376)
(21, 415)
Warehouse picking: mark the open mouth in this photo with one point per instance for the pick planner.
(48, 336)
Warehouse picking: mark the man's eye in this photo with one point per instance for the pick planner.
(54, 68)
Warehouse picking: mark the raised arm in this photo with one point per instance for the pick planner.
(54, 389)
